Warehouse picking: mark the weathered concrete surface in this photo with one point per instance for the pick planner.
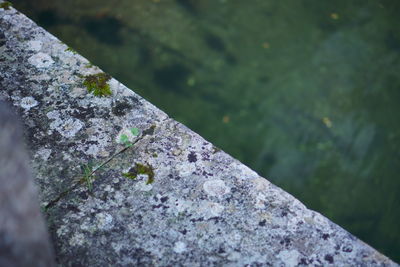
(203, 208)
(23, 234)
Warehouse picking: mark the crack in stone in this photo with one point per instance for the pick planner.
(82, 180)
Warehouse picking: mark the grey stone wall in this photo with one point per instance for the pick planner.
(123, 184)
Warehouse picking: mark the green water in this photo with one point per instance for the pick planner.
(305, 92)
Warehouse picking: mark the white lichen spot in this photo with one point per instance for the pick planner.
(268, 217)
(104, 221)
(132, 227)
(41, 60)
(92, 150)
(55, 114)
(67, 156)
(35, 45)
(78, 92)
(185, 169)
(69, 60)
(261, 184)
(44, 153)
(119, 198)
(235, 237)
(62, 230)
(182, 205)
(87, 226)
(28, 102)
(289, 257)
(176, 152)
(104, 153)
(117, 246)
(108, 188)
(210, 209)
(67, 128)
(70, 127)
(320, 220)
(216, 188)
(242, 171)
(99, 137)
(260, 201)
(180, 247)
(78, 239)
(234, 256)
(142, 185)
(102, 102)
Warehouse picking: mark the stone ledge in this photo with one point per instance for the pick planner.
(203, 207)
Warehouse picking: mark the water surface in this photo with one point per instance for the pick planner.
(305, 92)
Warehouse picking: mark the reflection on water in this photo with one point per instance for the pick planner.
(305, 92)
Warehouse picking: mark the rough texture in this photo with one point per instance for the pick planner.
(23, 234)
(203, 207)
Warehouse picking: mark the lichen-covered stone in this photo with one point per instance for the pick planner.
(202, 207)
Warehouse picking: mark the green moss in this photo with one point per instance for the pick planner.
(129, 175)
(70, 50)
(140, 169)
(97, 84)
(88, 175)
(6, 5)
(88, 65)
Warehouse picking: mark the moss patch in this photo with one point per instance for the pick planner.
(6, 5)
(88, 65)
(97, 84)
(70, 49)
(140, 169)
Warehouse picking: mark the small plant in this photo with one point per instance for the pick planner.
(134, 131)
(70, 49)
(97, 84)
(88, 175)
(124, 139)
(90, 169)
(6, 5)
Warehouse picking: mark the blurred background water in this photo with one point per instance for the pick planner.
(305, 92)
